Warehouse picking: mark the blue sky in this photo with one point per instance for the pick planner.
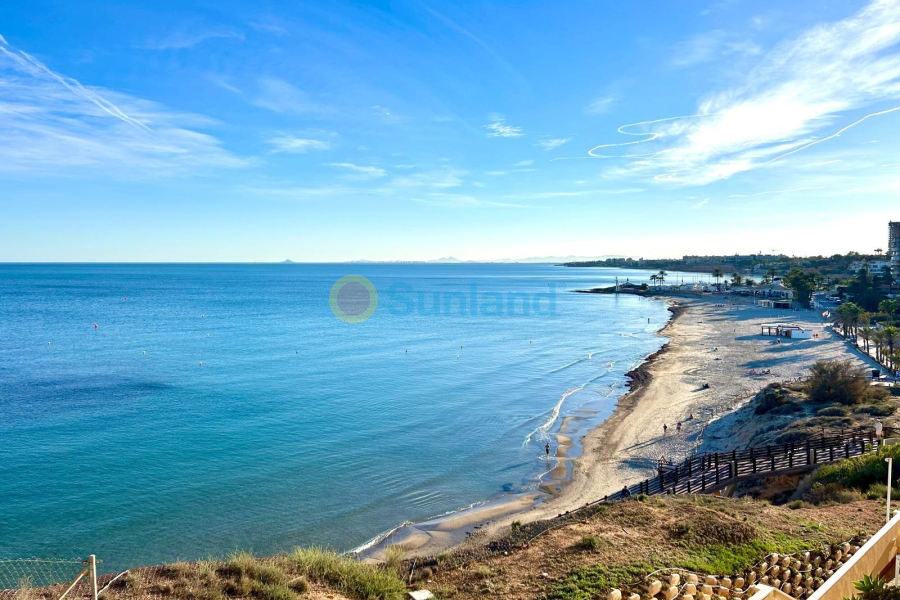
(258, 131)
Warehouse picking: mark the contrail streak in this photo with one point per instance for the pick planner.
(34, 65)
(833, 135)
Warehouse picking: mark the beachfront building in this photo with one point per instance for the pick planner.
(894, 244)
(776, 289)
(787, 330)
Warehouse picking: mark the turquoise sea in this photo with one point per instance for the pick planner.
(297, 428)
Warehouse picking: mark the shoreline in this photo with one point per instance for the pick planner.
(713, 340)
(454, 529)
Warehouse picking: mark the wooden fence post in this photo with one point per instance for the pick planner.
(92, 563)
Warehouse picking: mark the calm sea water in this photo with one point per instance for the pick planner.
(298, 428)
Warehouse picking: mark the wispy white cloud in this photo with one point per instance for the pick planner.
(189, 37)
(297, 145)
(797, 90)
(777, 192)
(269, 24)
(280, 96)
(499, 128)
(601, 105)
(525, 163)
(496, 173)
(573, 194)
(360, 172)
(701, 204)
(552, 144)
(823, 163)
(709, 46)
(441, 178)
(51, 123)
(461, 201)
(381, 111)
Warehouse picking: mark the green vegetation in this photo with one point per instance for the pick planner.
(875, 588)
(589, 542)
(596, 580)
(728, 558)
(283, 577)
(393, 558)
(803, 284)
(840, 381)
(858, 472)
(367, 582)
(776, 399)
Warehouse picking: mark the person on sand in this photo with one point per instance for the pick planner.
(547, 450)
(678, 427)
(665, 429)
(626, 492)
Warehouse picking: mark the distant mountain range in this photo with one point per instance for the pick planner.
(450, 260)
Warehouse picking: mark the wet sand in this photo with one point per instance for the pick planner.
(710, 340)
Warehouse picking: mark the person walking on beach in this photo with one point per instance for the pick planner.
(547, 450)
(665, 429)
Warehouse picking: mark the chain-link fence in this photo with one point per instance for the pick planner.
(48, 578)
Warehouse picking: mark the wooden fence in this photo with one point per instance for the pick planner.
(710, 472)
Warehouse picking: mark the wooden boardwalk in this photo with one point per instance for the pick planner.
(711, 472)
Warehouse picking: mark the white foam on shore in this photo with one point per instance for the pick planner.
(542, 430)
(384, 535)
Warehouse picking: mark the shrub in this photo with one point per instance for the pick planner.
(858, 472)
(132, 581)
(393, 557)
(833, 411)
(878, 491)
(299, 585)
(589, 542)
(874, 588)
(770, 398)
(795, 505)
(822, 493)
(840, 381)
(516, 525)
(483, 572)
(368, 582)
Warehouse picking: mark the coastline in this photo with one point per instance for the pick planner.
(710, 341)
(454, 529)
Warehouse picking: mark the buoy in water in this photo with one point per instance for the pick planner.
(49, 344)
(95, 326)
(457, 356)
(144, 352)
(201, 363)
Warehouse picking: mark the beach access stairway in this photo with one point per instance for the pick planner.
(712, 472)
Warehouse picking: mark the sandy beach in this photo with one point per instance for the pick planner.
(710, 341)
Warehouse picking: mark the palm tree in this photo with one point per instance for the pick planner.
(654, 279)
(662, 277)
(889, 307)
(718, 275)
(878, 340)
(749, 282)
(866, 334)
(892, 339)
(736, 279)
